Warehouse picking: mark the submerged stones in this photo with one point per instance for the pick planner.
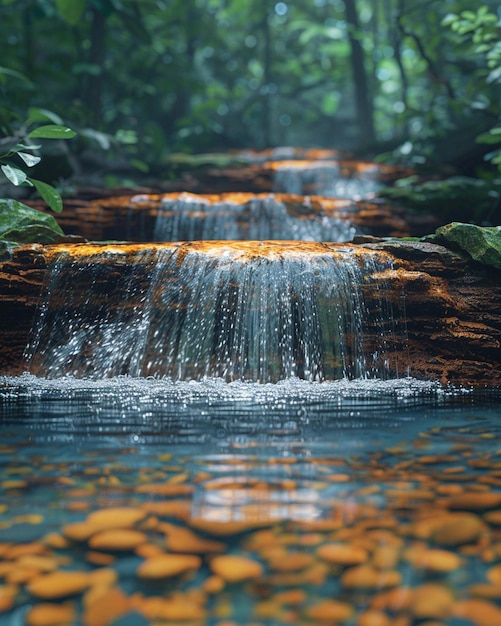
(363, 554)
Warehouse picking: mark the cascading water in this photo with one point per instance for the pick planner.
(325, 178)
(257, 311)
(188, 217)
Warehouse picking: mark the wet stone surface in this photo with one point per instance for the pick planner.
(351, 503)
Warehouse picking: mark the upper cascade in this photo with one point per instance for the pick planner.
(261, 311)
(240, 216)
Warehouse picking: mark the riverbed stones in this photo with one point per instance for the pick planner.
(235, 569)
(168, 565)
(59, 584)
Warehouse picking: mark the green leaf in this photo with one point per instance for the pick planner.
(49, 194)
(52, 131)
(29, 159)
(36, 114)
(5, 71)
(24, 224)
(14, 174)
(71, 10)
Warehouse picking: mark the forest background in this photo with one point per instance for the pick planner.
(410, 81)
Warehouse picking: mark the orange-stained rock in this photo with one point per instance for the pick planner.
(330, 611)
(51, 614)
(106, 608)
(431, 601)
(59, 584)
(168, 565)
(342, 554)
(367, 577)
(117, 539)
(234, 568)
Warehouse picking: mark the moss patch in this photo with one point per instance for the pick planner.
(481, 244)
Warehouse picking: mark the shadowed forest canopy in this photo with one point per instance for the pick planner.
(417, 80)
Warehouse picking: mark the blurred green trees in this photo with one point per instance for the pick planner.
(139, 79)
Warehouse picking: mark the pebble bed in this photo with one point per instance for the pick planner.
(272, 526)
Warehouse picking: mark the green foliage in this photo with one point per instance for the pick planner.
(17, 153)
(479, 33)
(142, 79)
(22, 224)
(457, 197)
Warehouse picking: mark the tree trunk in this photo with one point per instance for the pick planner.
(363, 100)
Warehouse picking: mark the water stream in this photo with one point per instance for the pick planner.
(222, 433)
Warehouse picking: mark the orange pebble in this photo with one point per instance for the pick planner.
(233, 568)
(431, 601)
(373, 618)
(342, 554)
(117, 539)
(106, 608)
(367, 577)
(168, 565)
(117, 517)
(330, 611)
(48, 614)
(480, 612)
(59, 584)
(185, 540)
(7, 596)
(473, 501)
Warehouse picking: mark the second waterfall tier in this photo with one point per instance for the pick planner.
(261, 311)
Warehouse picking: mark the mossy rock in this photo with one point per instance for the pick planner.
(482, 244)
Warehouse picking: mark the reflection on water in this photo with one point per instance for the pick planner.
(216, 503)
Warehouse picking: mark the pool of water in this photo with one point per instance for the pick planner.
(141, 501)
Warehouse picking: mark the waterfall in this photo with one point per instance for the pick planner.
(256, 311)
(187, 217)
(326, 178)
